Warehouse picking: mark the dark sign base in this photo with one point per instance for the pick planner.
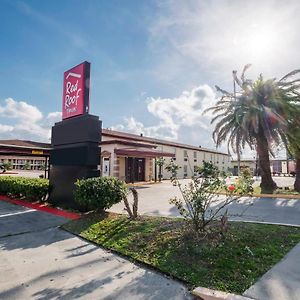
(75, 155)
(63, 179)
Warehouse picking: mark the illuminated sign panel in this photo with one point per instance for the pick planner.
(37, 152)
(76, 91)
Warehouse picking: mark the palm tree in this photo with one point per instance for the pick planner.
(256, 116)
(292, 113)
(295, 150)
(294, 145)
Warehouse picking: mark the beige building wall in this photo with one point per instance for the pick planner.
(122, 168)
(186, 158)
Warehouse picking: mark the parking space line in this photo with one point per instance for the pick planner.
(17, 213)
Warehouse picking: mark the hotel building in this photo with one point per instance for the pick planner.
(126, 156)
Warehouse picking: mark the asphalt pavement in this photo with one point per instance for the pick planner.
(40, 261)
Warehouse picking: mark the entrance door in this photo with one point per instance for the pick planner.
(105, 166)
(135, 169)
(140, 169)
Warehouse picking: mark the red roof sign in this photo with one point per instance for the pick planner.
(76, 91)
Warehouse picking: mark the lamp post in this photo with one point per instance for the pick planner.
(237, 146)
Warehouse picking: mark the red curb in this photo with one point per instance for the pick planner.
(42, 207)
(9, 173)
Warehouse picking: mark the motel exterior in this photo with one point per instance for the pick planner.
(278, 166)
(126, 156)
(133, 157)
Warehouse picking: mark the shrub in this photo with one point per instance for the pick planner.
(7, 165)
(245, 182)
(99, 193)
(35, 189)
(199, 203)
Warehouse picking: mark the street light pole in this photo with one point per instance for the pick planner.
(237, 146)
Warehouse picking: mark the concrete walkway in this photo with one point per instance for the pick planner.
(282, 282)
(154, 200)
(40, 261)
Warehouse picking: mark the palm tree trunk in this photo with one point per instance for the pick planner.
(297, 181)
(267, 184)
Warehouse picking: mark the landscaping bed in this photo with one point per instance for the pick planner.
(230, 263)
(278, 193)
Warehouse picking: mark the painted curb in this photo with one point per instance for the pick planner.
(41, 207)
(208, 294)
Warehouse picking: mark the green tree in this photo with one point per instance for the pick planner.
(160, 162)
(257, 116)
(294, 148)
(7, 165)
(26, 166)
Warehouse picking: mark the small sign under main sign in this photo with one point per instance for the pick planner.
(37, 152)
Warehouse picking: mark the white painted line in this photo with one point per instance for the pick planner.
(18, 213)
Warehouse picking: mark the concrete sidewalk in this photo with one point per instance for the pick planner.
(154, 200)
(282, 282)
(46, 262)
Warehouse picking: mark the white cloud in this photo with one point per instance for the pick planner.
(29, 122)
(20, 110)
(6, 128)
(180, 118)
(219, 36)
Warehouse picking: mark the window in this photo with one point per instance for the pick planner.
(195, 170)
(185, 171)
(195, 156)
(185, 155)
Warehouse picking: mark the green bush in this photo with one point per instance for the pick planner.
(35, 189)
(99, 192)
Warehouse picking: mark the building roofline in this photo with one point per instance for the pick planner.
(125, 135)
(116, 134)
(24, 147)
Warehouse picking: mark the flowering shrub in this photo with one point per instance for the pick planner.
(245, 182)
(200, 203)
(231, 188)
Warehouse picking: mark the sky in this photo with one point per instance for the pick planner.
(154, 64)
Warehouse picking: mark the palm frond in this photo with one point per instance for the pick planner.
(289, 75)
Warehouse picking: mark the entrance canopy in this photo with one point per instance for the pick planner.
(151, 153)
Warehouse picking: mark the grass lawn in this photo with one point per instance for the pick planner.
(229, 264)
(281, 191)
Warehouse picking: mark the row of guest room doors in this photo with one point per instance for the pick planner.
(134, 168)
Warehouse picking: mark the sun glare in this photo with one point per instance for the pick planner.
(257, 42)
(260, 43)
